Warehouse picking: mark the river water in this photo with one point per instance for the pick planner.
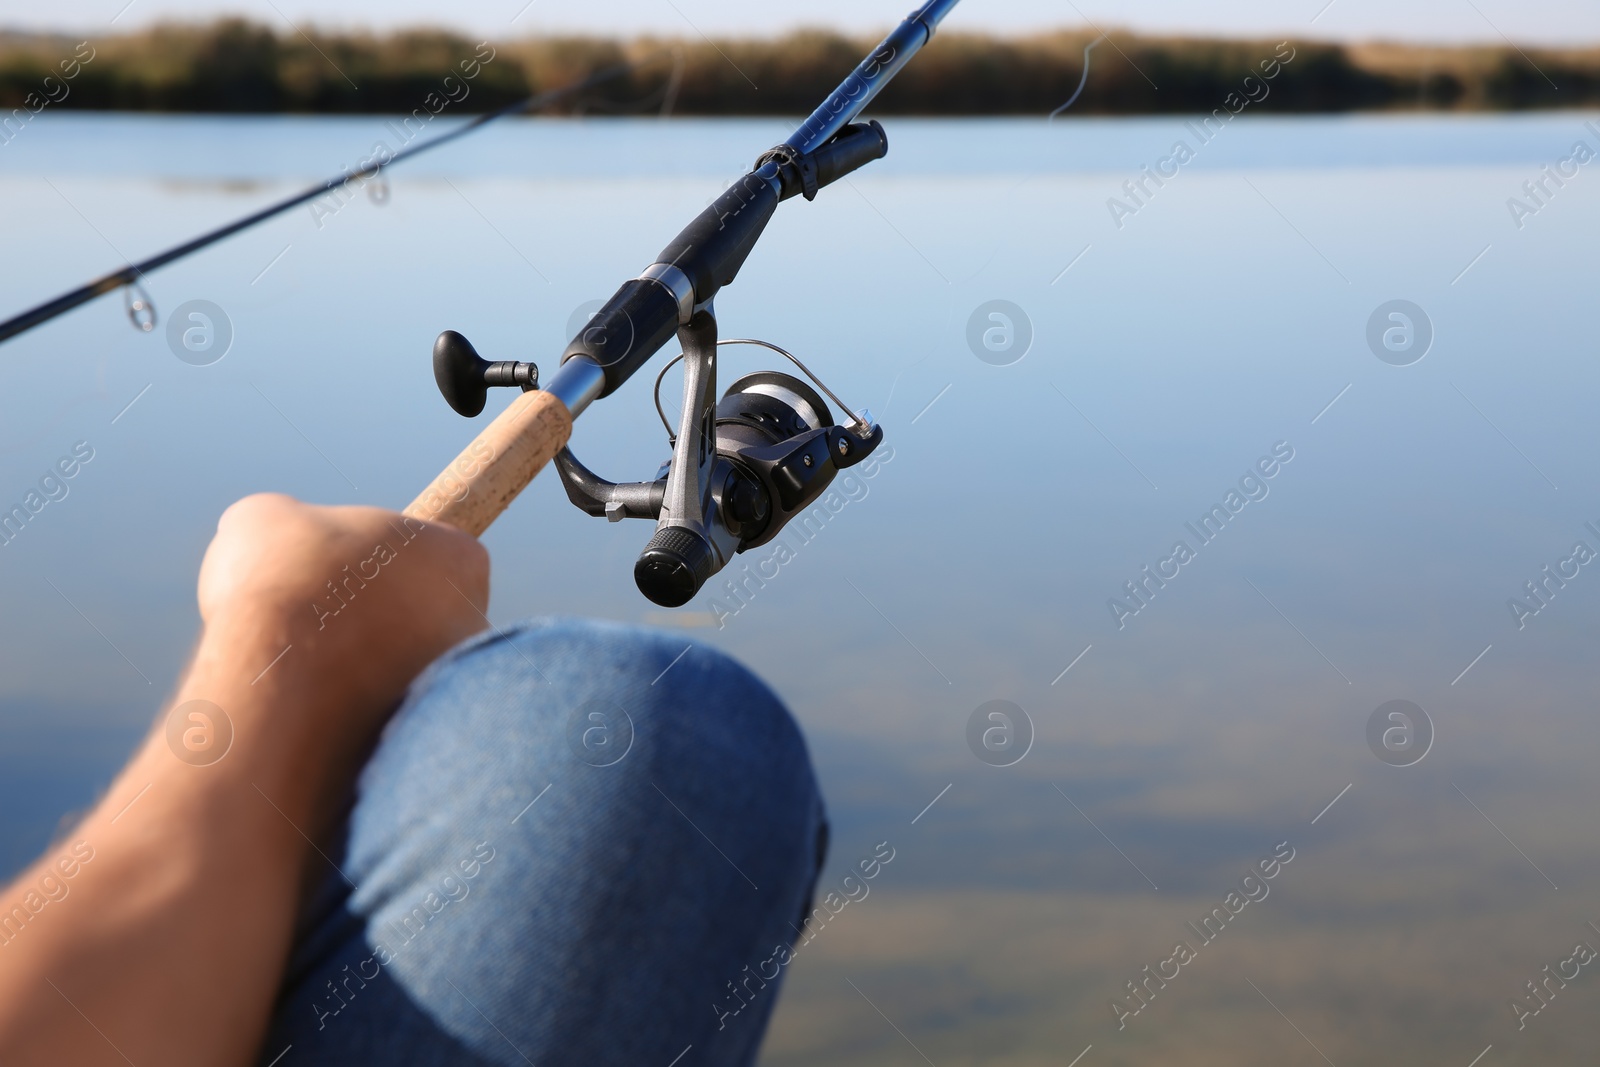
(1208, 361)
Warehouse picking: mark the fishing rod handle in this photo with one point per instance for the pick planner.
(472, 491)
(486, 477)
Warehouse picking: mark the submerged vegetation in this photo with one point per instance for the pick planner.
(238, 66)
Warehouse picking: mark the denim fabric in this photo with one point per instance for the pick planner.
(632, 914)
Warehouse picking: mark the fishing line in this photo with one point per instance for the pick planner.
(1073, 99)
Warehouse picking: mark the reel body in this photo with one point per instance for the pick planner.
(742, 467)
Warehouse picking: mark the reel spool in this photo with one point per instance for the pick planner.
(742, 466)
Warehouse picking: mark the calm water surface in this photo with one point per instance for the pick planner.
(1179, 737)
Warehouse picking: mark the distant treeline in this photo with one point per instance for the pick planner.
(237, 66)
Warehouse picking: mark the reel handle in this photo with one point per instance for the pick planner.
(472, 491)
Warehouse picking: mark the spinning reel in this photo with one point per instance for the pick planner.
(742, 467)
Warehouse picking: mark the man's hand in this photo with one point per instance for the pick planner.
(362, 598)
(316, 621)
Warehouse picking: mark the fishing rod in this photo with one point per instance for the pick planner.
(743, 466)
(141, 311)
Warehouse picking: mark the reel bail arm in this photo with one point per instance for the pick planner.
(742, 468)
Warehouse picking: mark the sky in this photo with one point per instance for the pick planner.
(1548, 22)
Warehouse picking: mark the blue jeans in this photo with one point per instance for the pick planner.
(576, 843)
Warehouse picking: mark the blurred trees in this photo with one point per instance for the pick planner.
(237, 66)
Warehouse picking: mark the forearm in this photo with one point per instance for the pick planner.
(187, 876)
(162, 939)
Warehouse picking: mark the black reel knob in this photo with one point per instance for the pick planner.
(673, 566)
(464, 377)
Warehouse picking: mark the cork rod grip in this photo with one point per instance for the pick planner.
(472, 491)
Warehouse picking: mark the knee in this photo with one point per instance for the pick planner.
(602, 695)
(627, 819)
(605, 725)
